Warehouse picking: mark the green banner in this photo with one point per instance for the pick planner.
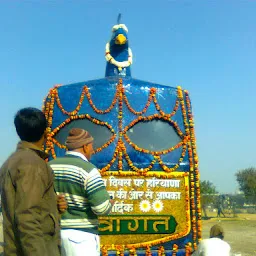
(137, 224)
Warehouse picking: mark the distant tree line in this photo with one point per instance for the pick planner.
(246, 179)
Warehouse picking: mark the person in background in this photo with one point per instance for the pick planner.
(220, 206)
(215, 245)
(29, 202)
(85, 193)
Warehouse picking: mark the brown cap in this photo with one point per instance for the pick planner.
(77, 138)
(216, 231)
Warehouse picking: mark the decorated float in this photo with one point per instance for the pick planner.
(145, 149)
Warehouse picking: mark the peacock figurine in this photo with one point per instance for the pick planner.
(118, 54)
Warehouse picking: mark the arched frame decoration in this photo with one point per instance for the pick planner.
(187, 143)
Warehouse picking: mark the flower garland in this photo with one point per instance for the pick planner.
(49, 115)
(157, 174)
(168, 169)
(188, 249)
(193, 160)
(150, 118)
(139, 171)
(190, 153)
(104, 250)
(193, 143)
(175, 249)
(120, 65)
(151, 95)
(85, 92)
(132, 252)
(75, 111)
(148, 251)
(98, 111)
(161, 251)
(46, 110)
(120, 145)
(158, 108)
(107, 167)
(121, 96)
(119, 250)
(85, 116)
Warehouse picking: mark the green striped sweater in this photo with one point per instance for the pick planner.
(84, 190)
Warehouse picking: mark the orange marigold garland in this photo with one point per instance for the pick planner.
(188, 249)
(162, 113)
(175, 249)
(92, 119)
(197, 185)
(132, 252)
(75, 111)
(88, 95)
(120, 124)
(149, 118)
(104, 250)
(45, 107)
(107, 167)
(121, 96)
(152, 117)
(50, 106)
(168, 169)
(140, 171)
(161, 251)
(151, 95)
(85, 92)
(119, 250)
(191, 153)
(148, 251)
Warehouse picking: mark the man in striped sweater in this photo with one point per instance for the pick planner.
(85, 192)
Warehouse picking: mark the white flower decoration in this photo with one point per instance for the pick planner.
(145, 206)
(116, 27)
(158, 206)
(119, 64)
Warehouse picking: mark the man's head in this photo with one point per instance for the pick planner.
(217, 231)
(80, 140)
(30, 124)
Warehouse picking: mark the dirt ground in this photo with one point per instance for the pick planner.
(240, 233)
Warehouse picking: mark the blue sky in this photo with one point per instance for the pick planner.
(207, 47)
